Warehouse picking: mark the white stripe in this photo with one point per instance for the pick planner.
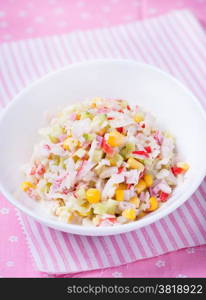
(186, 57)
(30, 244)
(11, 65)
(58, 49)
(106, 37)
(25, 59)
(53, 57)
(76, 48)
(87, 36)
(154, 240)
(202, 203)
(191, 51)
(29, 44)
(122, 248)
(191, 34)
(88, 248)
(66, 41)
(41, 243)
(66, 252)
(112, 250)
(133, 245)
(84, 45)
(100, 249)
(99, 39)
(200, 217)
(53, 248)
(79, 252)
(119, 43)
(173, 232)
(193, 225)
(42, 52)
(27, 78)
(4, 96)
(164, 236)
(139, 44)
(183, 227)
(7, 67)
(142, 240)
(183, 74)
(128, 41)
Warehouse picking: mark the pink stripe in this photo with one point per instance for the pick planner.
(65, 259)
(191, 36)
(48, 54)
(64, 50)
(159, 238)
(182, 38)
(195, 217)
(48, 246)
(16, 89)
(107, 252)
(187, 223)
(9, 94)
(179, 230)
(128, 247)
(149, 242)
(96, 252)
(138, 243)
(36, 243)
(86, 257)
(170, 236)
(118, 250)
(202, 208)
(170, 51)
(34, 64)
(202, 191)
(71, 250)
(176, 49)
(32, 240)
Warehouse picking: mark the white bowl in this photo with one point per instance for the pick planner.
(173, 104)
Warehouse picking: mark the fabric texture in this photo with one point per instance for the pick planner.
(153, 41)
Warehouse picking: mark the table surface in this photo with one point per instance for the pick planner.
(27, 19)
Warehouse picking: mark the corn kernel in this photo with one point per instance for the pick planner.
(135, 201)
(183, 166)
(148, 180)
(135, 164)
(27, 185)
(129, 214)
(93, 195)
(153, 204)
(122, 186)
(119, 195)
(141, 186)
(115, 139)
(138, 118)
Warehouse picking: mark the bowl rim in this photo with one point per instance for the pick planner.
(101, 231)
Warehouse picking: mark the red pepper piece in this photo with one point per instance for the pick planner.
(141, 153)
(163, 196)
(148, 149)
(128, 107)
(107, 149)
(176, 170)
(120, 169)
(120, 129)
(110, 118)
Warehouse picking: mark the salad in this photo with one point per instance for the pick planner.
(102, 163)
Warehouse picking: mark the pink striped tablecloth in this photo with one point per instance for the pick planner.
(175, 43)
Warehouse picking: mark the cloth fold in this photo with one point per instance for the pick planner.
(175, 43)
